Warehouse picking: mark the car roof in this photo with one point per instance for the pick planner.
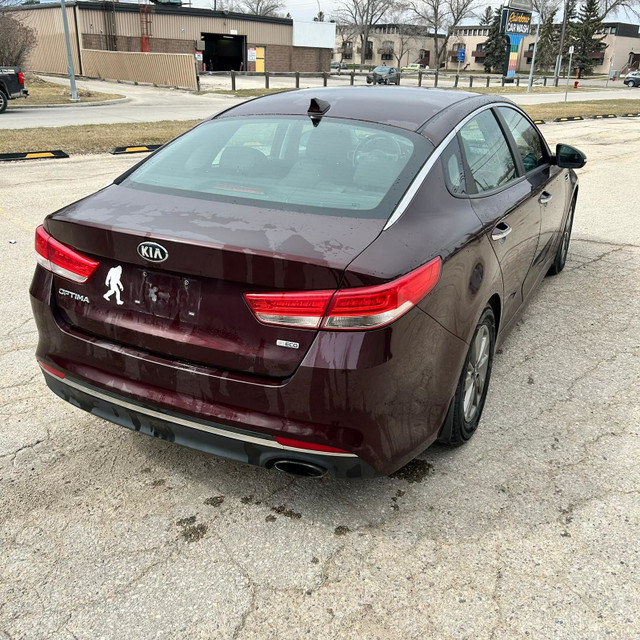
(406, 107)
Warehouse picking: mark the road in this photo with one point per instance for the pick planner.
(150, 104)
(145, 104)
(531, 530)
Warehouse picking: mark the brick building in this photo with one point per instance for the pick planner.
(226, 40)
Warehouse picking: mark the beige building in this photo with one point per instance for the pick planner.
(224, 39)
(620, 48)
(391, 44)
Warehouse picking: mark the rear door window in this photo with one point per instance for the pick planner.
(487, 153)
(531, 148)
(453, 167)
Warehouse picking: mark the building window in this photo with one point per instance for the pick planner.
(368, 53)
(386, 51)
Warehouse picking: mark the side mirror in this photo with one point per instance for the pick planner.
(569, 157)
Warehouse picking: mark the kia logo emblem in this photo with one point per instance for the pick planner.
(152, 251)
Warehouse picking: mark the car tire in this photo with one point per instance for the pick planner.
(468, 402)
(563, 248)
(3, 102)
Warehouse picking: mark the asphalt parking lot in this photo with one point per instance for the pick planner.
(532, 530)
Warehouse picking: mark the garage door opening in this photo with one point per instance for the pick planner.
(224, 53)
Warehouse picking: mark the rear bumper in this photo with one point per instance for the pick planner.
(234, 444)
(379, 395)
(23, 93)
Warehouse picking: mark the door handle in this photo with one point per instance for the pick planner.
(500, 231)
(566, 177)
(545, 197)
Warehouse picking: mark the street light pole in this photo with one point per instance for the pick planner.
(562, 34)
(533, 57)
(72, 77)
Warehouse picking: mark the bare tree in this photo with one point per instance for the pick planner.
(16, 40)
(405, 41)
(272, 8)
(364, 14)
(545, 7)
(224, 5)
(442, 16)
(611, 6)
(347, 32)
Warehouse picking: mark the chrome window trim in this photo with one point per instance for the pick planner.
(265, 441)
(433, 158)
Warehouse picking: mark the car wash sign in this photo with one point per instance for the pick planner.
(515, 22)
(515, 25)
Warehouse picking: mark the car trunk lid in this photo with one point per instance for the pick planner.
(188, 304)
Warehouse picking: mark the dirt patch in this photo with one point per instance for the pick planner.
(341, 530)
(192, 532)
(414, 471)
(214, 501)
(287, 513)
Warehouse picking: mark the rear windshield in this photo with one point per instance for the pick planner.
(340, 167)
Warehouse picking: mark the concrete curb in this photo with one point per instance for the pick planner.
(97, 103)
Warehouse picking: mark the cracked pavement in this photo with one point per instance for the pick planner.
(531, 530)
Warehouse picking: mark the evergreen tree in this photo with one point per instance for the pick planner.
(547, 44)
(487, 17)
(496, 46)
(584, 38)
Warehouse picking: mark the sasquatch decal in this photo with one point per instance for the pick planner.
(114, 284)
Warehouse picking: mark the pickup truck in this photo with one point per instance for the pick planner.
(11, 85)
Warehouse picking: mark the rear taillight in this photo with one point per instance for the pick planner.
(62, 260)
(20, 77)
(347, 309)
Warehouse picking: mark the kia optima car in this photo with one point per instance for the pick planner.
(313, 281)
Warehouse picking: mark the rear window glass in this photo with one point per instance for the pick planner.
(340, 167)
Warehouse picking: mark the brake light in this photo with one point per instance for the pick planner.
(20, 77)
(347, 309)
(62, 260)
(304, 309)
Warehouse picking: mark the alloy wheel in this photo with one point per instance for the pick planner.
(476, 372)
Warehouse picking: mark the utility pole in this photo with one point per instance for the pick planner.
(72, 76)
(533, 57)
(566, 88)
(562, 34)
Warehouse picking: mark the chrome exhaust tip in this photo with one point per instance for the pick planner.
(300, 469)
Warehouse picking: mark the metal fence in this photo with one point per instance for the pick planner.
(161, 69)
(247, 79)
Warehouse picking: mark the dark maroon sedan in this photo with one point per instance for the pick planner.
(315, 281)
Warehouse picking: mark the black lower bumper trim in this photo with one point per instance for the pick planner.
(166, 426)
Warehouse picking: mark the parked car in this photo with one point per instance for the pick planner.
(413, 68)
(338, 65)
(632, 79)
(384, 75)
(11, 86)
(313, 281)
